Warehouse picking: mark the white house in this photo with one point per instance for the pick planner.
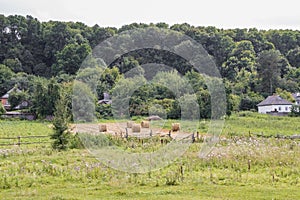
(274, 104)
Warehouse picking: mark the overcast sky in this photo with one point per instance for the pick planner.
(262, 14)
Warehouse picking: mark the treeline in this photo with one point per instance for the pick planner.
(40, 58)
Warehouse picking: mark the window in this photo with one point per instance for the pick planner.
(286, 108)
(279, 108)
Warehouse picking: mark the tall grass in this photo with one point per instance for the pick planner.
(237, 167)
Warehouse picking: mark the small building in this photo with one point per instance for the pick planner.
(106, 99)
(275, 105)
(4, 98)
(19, 115)
(6, 104)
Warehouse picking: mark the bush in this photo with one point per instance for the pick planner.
(61, 141)
(104, 111)
(75, 142)
(245, 114)
(61, 134)
(250, 101)
(295, 111)
(2, 109)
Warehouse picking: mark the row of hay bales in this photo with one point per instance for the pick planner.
(144, 124)
(136, 128)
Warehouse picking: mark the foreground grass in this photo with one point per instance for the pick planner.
(42, 173)
(209, 191)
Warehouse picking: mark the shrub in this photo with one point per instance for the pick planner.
(61, 134)
(2, 109)
(295, 111)
(75, 142)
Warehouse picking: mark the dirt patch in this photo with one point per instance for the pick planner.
(120, 128)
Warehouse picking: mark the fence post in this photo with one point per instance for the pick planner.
(193, 138)
(19, 140)
(126, 136)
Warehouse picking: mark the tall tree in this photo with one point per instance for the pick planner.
(5, 76)
(268, 69)
(61, 120)
(241, 57)
(293, 57)
(44, 97)
(70, 58)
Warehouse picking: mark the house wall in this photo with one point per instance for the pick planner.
(273, 108)
(4, 102)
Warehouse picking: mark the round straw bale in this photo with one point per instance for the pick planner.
(175, 126)
(102, 128)
(145, 124)
(129, 124)
(136, 128)
(154, 117)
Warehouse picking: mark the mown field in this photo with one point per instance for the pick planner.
(239, 167)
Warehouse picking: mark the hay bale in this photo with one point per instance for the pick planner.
(129, 124)
(175, 126)
(154, 117)
(102, 128)
(136, 128)
(145, 124)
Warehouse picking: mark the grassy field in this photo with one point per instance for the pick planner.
(240, 124)
(240, 167)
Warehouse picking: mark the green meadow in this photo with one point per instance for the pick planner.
(240, 166)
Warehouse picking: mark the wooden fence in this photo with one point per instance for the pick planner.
(18, 140)
(32, 138)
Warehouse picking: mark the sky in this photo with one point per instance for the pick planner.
(261, 14)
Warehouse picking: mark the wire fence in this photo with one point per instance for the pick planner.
(23, 140)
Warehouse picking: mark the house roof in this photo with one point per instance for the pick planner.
(274, 100)
(5, 96)
(106, 99)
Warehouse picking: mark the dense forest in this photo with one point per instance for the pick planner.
(42, 59)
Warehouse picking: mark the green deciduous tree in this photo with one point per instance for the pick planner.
(268, 69)
(16, 98)
(108, 78)
(5, 76)
(122, 102)
(241, 57)
(293, 57)
(14, 64)
(250, 100)
(285, 94)
(44, 97)
(70, 58)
